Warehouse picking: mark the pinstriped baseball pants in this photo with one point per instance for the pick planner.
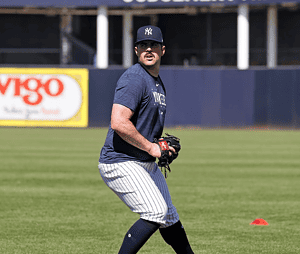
(143, 188)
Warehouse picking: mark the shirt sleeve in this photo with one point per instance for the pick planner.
(129, 91)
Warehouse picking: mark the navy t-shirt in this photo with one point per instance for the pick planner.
(145, 96)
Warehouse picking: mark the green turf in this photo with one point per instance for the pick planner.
(52, 199)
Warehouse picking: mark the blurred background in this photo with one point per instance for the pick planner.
(228, 62)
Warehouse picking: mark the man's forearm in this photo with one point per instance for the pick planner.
(130, 134)
(122, 125)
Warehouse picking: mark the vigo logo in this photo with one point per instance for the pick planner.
(40, 97)
(33, 85)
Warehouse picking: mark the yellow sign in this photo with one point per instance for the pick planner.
(44, 97)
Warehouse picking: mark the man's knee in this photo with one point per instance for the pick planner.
(157, 215)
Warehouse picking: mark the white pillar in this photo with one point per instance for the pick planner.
(272, 36)
(102, 38)
(127, 40)
(66, 45)
(243, 37)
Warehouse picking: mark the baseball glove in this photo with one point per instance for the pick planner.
(167, 156)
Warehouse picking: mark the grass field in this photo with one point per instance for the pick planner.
(52, 199)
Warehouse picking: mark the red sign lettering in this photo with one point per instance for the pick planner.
(4, 87)
(33, 86)
(47, 87)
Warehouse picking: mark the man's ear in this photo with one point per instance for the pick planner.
(136, 50)
(163, 49)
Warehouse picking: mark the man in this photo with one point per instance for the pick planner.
(127, 159)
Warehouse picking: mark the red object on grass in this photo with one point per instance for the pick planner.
(260, 222)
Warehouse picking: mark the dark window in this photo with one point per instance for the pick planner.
(288, 37)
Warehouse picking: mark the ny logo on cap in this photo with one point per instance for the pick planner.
(148, 31)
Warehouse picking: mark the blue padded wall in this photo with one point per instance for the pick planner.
(210, 97)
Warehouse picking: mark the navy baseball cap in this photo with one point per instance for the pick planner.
(149, 33)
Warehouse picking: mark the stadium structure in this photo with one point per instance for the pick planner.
(228, 62)
(240, 33)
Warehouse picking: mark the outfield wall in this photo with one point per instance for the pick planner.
(212, 98)
(58, 97)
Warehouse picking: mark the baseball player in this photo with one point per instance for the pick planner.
(127, 159)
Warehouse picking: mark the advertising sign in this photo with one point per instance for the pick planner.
(43, 97)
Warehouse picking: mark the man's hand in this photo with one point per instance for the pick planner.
(155, 150)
